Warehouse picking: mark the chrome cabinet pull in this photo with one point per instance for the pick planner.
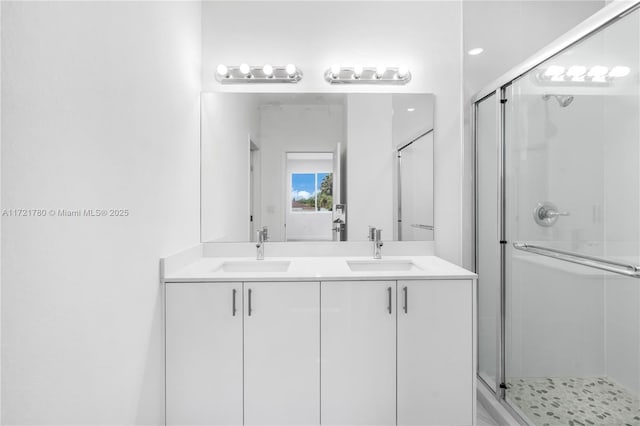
(249, 302)
(233, 302)
(406, 299)
(389, 306)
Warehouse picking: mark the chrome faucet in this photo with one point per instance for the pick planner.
(375, 235)
(263, 236)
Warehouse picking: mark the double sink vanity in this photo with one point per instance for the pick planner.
(310, 340)
(286, 314)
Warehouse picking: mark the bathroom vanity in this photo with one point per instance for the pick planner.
(346, 340)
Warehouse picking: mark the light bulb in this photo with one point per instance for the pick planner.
(619, 71)
(598, 71)
(476, 51)
(222, 70)
(403, 70)
(245, 69)
(335, 70)
(576, 71)
(380, 70)
(357, 70)
(290, 69)
(268, 70)
(411, 109)
(554, 71)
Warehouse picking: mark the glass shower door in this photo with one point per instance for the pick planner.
(487, 253)
(573, 222)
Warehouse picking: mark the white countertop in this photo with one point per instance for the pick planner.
(208, 269)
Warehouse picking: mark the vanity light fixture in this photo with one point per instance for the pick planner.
(267, 73)
(359, 74)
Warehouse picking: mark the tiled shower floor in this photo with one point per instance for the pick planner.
(574, 401)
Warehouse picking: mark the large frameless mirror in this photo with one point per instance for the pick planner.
(316, 167)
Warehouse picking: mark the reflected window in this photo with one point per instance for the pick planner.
(312, 192)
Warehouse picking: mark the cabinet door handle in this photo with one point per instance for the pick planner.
(233, 302)
(389, 305)
(249, 302)
(406, 299)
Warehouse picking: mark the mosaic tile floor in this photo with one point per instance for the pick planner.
(574, 401)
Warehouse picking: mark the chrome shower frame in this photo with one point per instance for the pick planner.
(600, 20)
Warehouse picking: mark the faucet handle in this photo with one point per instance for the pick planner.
(372, 233)
(378, 235)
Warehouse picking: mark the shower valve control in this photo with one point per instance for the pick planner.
(546, 214)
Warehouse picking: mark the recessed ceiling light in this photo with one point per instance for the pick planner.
(475, 51)
(411, 109)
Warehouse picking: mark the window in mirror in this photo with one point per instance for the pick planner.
(311, 192)
(309, 206)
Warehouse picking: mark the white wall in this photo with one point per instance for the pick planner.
(369, 166)
(228, 122)
(314, 34)
(100, 109)
(556, 319)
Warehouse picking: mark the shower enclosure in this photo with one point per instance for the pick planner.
(557, 144)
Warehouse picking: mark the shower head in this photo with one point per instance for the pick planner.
(563, 100)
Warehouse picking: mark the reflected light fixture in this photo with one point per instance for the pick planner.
(580, 75)
(245, 73)
(619, 71)
(359, 74)
(475, 51)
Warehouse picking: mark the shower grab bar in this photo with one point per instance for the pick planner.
(421, 226)
(581, 259)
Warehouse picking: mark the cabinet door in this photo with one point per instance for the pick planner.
(435, 352)
(203, 354)
(358, 335)
(281, 353)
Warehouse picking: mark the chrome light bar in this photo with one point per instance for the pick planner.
(245, 73)
(367, 75)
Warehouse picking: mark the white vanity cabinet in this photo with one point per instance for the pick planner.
(337, 352)
(203, 354)
(281, 353)
(243, 353)
(358, 334)
(435, 352)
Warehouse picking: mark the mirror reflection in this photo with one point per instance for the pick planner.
(316, 167)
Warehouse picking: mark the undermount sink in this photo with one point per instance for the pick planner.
(382, 265)
(254, 266)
